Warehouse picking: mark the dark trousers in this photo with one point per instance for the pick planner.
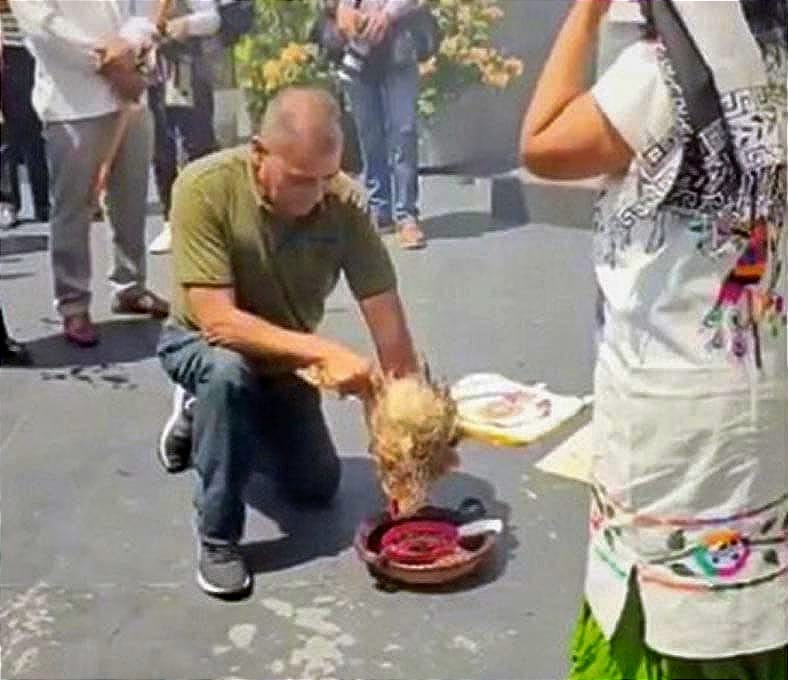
(22, 140)
(193, 124)
(245, 421)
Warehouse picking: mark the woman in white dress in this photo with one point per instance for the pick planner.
(688, 562)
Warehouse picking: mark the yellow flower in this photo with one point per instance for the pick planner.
(272, 74)
(492, 13)
(513, 66)
(427, 68)
(295, 53)
(477, 55)
(496, 79)
(450, 46)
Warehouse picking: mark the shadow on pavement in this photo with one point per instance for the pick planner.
(466, 224)
(122, 341)
(16, 276)
(21, 244)
(313, 533)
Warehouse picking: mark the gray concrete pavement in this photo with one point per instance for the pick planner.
(97, 548)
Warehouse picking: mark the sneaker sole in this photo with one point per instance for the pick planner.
(162, 244)
(161, 450)
(211, 589)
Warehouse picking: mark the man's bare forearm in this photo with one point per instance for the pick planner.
(386, 321)
(258, 339)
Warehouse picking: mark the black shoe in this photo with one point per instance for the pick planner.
(221, 570)
(14, 353)
(175, 443)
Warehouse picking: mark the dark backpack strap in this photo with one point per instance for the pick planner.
(692, 73)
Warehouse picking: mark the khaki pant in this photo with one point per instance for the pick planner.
(75, 150)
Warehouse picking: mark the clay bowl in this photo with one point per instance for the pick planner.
(474, 552)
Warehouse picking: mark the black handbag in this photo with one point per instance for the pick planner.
(236, 20)
(424, 28)
(326, 36)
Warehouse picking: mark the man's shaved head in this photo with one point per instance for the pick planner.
(298, 149)
(301, 120)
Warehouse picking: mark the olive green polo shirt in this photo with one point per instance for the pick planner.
(225, 234)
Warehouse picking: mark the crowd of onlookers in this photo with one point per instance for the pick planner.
(70, 116)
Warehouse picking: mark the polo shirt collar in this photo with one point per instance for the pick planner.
(259, 198)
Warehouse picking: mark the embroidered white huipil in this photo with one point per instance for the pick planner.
(691, 407)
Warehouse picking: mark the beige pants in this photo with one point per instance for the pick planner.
(75, 150)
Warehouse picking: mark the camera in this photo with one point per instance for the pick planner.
(353, 61)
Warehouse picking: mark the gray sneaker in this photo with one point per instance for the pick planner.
(221, 570)
(175, 442)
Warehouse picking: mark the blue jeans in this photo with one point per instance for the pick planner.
(244, 421)
(385, 107)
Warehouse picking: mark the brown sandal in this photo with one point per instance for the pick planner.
(145, 303)
(410, 236)
(79, 330)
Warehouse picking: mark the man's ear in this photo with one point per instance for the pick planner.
(258, 150)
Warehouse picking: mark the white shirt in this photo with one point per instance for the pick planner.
(203, 18)
(61, 35)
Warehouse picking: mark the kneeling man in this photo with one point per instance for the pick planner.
(261, 235)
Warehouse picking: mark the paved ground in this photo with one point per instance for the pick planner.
(98, 558)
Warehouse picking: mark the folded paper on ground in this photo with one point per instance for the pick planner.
(572, 458)
(503, 412)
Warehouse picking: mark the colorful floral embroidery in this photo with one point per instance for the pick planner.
(748, 300)
(722, 553)
(719, 553)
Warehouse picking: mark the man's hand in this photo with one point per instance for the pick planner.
(113, 50)
(349, 21)
(377, 26)
(345, 371)
(116, 61)
(126, 82)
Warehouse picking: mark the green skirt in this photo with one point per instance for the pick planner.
(626, 656)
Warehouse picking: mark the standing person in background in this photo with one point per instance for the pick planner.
(382, 74)
(688, 563)
(182, 99)
(87, 54)
(22, 140)
(12, 353)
